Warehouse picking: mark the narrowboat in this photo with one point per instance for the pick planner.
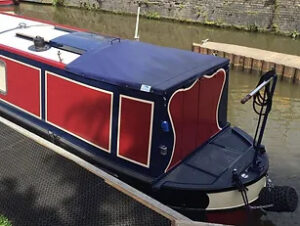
(153, 116)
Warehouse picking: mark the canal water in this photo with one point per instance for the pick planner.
(282, 137)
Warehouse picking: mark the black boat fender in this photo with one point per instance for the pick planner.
(281, 198)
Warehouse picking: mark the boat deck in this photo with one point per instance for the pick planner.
(40, 187)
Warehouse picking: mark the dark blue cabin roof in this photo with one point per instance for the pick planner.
(135, 64)
(84, 41)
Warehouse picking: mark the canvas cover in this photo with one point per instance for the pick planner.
(139, 65)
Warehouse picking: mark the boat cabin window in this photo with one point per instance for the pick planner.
(3, 87)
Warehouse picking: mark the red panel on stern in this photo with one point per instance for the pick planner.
(135, 130)
(23, 86)
(194, 114)
(79, 109)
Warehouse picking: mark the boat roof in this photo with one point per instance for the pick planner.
(143, 66)
(132, 64)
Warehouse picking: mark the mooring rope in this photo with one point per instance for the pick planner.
(23, 26)
(241, 187)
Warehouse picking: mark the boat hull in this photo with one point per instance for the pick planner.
(228, 207)
(51, 110)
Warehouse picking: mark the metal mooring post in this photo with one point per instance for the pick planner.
(136, 35)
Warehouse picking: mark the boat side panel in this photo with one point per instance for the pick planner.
(82, 110)
(135, 130)
(23, 86)
(81, 145)
(194, 114)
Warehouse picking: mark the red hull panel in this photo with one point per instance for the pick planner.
(23, 86)
(240, 216)
(135, 130)
(194, 115)
(81, 110)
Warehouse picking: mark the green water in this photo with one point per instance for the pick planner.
(282, 137)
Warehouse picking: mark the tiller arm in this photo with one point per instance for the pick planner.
(262, 105)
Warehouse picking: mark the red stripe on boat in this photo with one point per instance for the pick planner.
(194, 114)
(33, 57)
(6, 2)
(240, 216)
(81, 110)
(135, 130)
(23, 86)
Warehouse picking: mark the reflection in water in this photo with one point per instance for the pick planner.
(282, 137)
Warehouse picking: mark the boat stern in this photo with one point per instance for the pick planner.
(212, 170)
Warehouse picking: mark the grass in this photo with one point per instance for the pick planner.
(4, 221)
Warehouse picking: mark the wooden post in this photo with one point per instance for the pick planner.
(221, 54)
(196, 49)
(279, 70)
(267, 66)
(229, 56)
(257, 65)
(297, 76)
(203, 50)
(193, 48)
(248, 64)
(238, 61)
(289, 74)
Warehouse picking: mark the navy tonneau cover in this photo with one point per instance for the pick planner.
(81, 40)
(136, 65)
